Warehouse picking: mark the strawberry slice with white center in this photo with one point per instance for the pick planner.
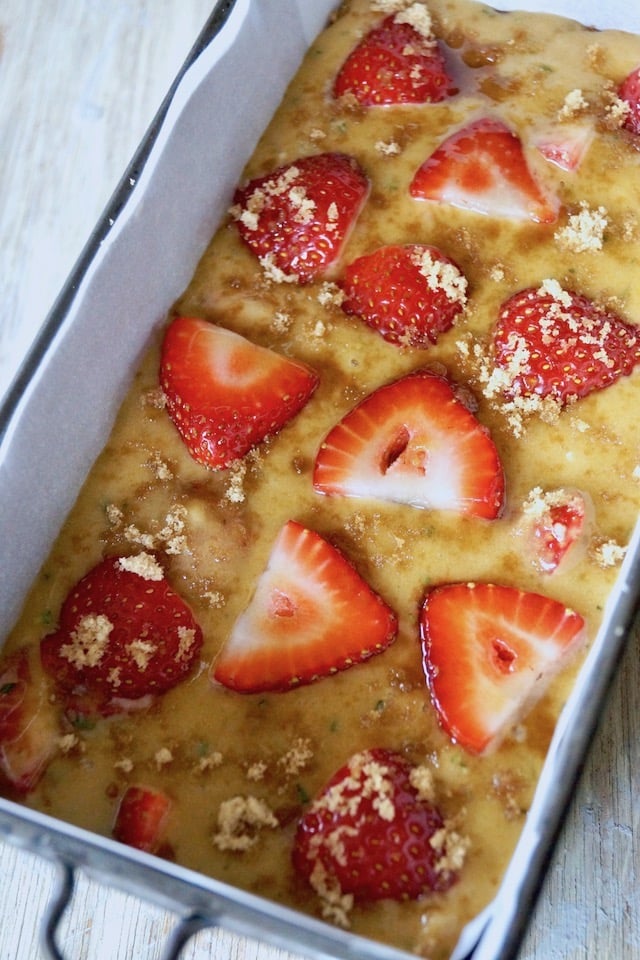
(414, 441)
(556, 525)
(409, 293)
(565, 145)
(552, 342)
(141, 818)
(29, 723)
(489, 652)
(311, 616)
(396, 63)
(482, 167)
(629, 92)
(297, 218)
(226, 394)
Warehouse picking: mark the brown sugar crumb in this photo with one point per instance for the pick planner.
(297, 757)
(209, 762)
(616, 111)
(159, 468)
(124, 765)
(451, 848)
(330, 295)
(89, 641)
(574, 103)
(144, 565)
(142, 652)
(68, 742)
(390, 6)
(273, 273)
(418, 17)
(186, 637)
(507, 787)
(115, 516)
(423, 782)
(214, 598)
(335, 904)
(154, 398)
(235, 489)
(256, 771)
(584, 230)
(281, 322)
(171, 537)
(163, 757)
(388, 148)
(371, 779)
(607, 553)
(442, 276)
(240, 821)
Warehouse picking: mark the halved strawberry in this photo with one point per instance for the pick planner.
(311, 615)
(371, 836)
(141, 818)
(629, 91)
(297, 218)
(556, 525)
(482, 167)
(396, 62)
(489, 652)
(552, 342)
(226, 394)
(409, 294)
(29, 723)
(124, 637)
(566, 144)
(414, 441)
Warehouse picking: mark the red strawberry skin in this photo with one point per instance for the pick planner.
(225, 394)
(311, 616)
(297, 219)
(409, 294)
(482, 168)
(556, 526)
(488, 654)
(122, 638)
(368, 833)
(559, 344)
(414, 442)
(395, 64)
(141, 818)
(629, 91)
(29, 726)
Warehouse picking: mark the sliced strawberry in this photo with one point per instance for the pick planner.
(413, 441)
(409, 294)
(311, 615)
(482, 167)
(369, 834)
(297, 218)
(629, 91)
(29, 723)
(566, 144)
(225, 394)
(489, 652)
(556, 525)
(141, 818)
(395, 63)
(124, 636)
(555, 343)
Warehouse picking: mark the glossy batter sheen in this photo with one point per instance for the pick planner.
(213, 531)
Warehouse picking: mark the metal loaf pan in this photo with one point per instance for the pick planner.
(128, 269)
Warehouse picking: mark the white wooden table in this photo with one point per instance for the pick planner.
(79, 82)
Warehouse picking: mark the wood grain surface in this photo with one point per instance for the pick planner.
(80, 81)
